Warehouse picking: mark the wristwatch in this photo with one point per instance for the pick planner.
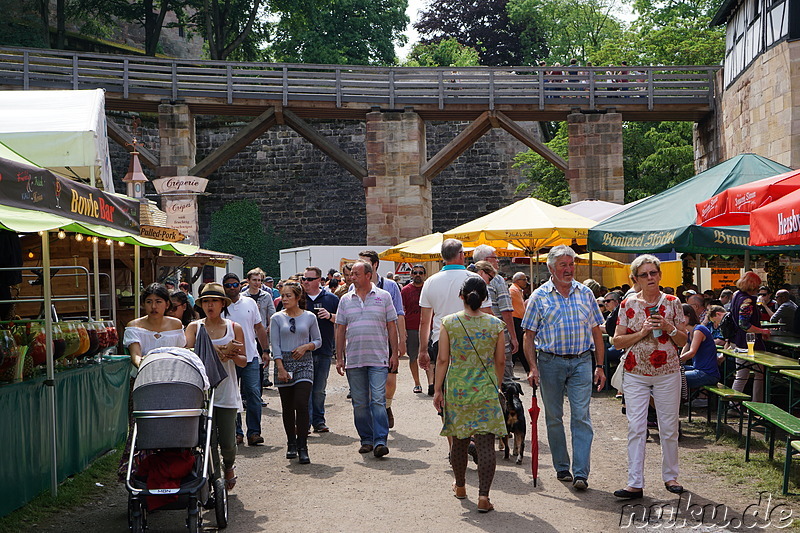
(673, 332)
(600, 366)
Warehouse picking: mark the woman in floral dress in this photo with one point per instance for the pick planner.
(471, 360)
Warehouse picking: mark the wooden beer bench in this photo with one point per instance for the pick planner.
(772, 418)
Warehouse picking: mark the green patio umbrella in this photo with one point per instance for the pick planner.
(666, 221)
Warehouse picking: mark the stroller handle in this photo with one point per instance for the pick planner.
(168, 413)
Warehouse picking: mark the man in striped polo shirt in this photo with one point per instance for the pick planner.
(366, 349)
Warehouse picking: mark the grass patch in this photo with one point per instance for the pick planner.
(73, 492)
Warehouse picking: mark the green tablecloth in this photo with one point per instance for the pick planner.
(91, 417)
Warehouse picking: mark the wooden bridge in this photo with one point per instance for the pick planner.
(136, 83)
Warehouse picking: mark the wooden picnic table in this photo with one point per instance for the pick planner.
(792, 376)
(770, 362)
(785, 341)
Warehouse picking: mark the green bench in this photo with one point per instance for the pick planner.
(771, 418)
(724, 394)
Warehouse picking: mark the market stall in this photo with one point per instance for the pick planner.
(91, 399)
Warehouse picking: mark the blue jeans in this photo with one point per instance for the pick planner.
(368, 389)
(557, 375)
(316, 407)
(696, 378)
(250, 384)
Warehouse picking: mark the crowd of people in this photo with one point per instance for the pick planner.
(464, 329)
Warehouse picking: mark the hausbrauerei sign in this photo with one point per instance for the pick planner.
(28, 187)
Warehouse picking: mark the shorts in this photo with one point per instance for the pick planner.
(412, 344)
(433, 352)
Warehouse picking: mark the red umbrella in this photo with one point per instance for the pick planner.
(778, 223)
(534, 412)
(732, 207)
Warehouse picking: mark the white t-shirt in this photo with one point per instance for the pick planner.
(245, 313)
(227, 393)
(440, 293)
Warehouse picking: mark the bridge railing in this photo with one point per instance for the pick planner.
(344, 84)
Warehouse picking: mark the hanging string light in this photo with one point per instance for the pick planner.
(78, 237)
(62, 234)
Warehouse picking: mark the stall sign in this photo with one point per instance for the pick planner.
(162, 234)
(180, 184)
(29, 187)
(722, 278)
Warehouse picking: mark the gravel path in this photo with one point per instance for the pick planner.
(410, 488)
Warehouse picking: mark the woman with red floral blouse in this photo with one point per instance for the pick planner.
(651, 327)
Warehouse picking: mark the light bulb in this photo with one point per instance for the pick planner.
(62, 234)
(121, 244)
(30, 254)
(79, 237)
(108, 242)
(41, 234)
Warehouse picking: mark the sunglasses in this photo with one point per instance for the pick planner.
(292, 325)
(650, 274)
(762, 293)
(309, 279)
(231, 285)
(417, 273)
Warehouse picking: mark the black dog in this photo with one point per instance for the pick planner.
(514, 414)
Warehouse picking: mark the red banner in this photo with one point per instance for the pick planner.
(777, 223)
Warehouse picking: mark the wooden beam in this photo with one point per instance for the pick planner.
(335, 153)
(457, 146)
(525, 137)
(125, 139)
(234, 145)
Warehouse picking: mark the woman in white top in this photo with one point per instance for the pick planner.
(294, 335)
(154, 329)
(228, 337)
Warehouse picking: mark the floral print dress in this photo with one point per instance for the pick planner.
(471, 406)
(651, 356)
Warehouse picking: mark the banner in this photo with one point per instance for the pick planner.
(29, 187)
(179, 201)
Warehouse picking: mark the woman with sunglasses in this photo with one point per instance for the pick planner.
(181, 308)
(228, 338)
(651, 326)
(294, 335)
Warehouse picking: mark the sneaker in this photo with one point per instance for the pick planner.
(390, 415)
(267, 384)
(580, 483)
(418, 389)
(365, 448)
(564, 475)
(430, 390)
(380, 450)
(321, 429)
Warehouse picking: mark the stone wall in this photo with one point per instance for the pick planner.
(310, 199)
(761, 109)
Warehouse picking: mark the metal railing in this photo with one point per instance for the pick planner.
(343, 85)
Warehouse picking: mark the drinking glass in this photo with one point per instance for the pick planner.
(751, 343)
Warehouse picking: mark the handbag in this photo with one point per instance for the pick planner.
(500, 396)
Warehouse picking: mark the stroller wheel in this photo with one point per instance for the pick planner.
(195, 520)
(221, 503)
(136, 516)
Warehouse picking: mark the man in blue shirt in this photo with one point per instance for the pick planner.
(562, 315)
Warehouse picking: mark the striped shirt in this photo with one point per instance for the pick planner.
(367, 336)
(563, 326)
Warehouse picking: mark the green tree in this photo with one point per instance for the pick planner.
(233, 29)
(569, 28)
(540, 178)
(657, 156)
(350, 32)
(258, 247)
(483, 25)
(445, 53)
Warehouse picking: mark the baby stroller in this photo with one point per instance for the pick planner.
(169, 466)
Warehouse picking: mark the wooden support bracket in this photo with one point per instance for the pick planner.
(125, 139)
(335, 153)
(234, 145)
(457, 146)
(529, 140)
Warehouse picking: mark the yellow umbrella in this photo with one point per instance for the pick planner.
(529, 224)
(425, 248)
(429, 247)
(596, 259)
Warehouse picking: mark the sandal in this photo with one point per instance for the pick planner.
(484, 505)
(460, 492)
(230, 478)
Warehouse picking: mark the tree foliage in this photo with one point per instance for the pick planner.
(352, 32)
(569, 28)
(483, 25)
(233, 29)
(540, 178)
(259, 246)
(445, 53)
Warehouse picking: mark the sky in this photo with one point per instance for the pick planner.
(414, 6)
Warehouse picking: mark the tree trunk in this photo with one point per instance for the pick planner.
(61, 30)
(44, 13)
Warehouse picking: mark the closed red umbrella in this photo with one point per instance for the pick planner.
(534, 412)
(777, 223)
(732, 207)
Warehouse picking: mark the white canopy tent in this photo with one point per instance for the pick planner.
(63, 131)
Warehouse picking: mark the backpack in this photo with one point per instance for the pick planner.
(728, 327)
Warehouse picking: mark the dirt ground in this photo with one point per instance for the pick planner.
(410, 489)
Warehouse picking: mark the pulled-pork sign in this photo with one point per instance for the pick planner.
(29, 187)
